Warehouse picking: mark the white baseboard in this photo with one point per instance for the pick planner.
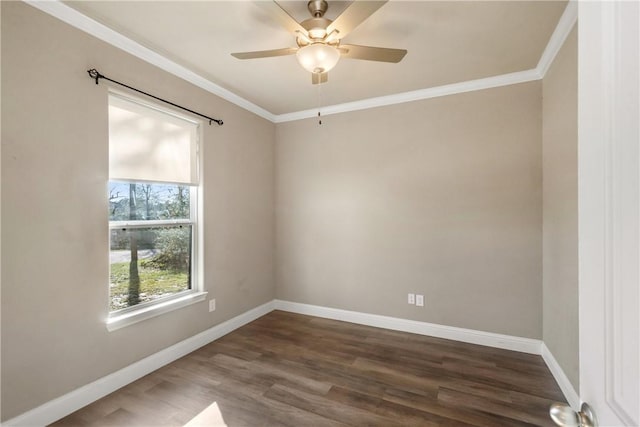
(508, 342)
(70, 402)
(524, 345)
(78, 398)
(561, 378)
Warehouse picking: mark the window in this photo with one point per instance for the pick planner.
(153, 215)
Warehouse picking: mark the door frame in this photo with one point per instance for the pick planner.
(608, 208)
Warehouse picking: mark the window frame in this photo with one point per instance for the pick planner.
(139, 312)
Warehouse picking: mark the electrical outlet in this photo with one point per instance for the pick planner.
(420, 300)
(212, 304)
(411, 299)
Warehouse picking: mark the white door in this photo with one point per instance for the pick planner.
(609, 208)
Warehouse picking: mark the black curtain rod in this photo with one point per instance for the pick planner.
(94, 74)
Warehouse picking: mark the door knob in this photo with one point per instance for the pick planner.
(563, 415)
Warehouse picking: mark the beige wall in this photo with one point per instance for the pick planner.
(54, 211)
(441, 197)
(560, 201)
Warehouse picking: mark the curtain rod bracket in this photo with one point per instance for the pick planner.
(95, 74)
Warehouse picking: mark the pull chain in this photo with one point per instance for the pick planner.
(319, 104)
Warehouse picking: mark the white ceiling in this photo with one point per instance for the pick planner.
(447, 42)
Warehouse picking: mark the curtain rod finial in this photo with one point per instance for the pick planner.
(94, 74)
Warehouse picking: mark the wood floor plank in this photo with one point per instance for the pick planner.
(460, 413)
(409, 416)
(513, 411)
(319, 405)
(431, 381)
(287, 369)
(240, 406)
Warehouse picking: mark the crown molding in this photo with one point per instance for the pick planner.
(82, 22)
(416, 95)
(565, 25)
(76, 19)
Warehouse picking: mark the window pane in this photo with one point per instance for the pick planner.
(136, 201)
(148, 264)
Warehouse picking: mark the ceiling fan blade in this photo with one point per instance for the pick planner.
(282, 17)
(265, 53)
(353, 16)
(318, 78)
(369, 53)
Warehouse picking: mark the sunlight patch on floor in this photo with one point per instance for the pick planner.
(210, 416)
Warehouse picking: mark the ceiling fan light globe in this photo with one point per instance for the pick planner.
(318, 57)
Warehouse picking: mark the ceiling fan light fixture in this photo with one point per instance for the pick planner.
(317, 33)
(318, 57)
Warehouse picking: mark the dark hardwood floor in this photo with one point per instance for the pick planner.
(286, 369)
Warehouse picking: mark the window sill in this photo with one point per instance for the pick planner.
(117, 322)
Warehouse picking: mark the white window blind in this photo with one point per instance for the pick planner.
(146, 144)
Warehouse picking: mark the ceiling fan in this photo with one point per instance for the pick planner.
(318, 38)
